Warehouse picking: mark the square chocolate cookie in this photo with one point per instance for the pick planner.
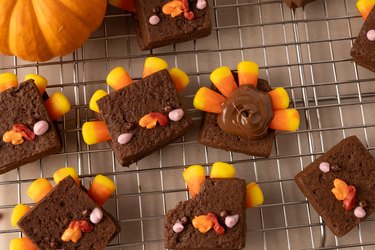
(47, 221)
(363, 51)
(216, 196)
(212, 135)
(152, 98)
(340, 185)
(161, 23)
(20, 109)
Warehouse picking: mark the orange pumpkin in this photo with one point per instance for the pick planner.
(38, 30)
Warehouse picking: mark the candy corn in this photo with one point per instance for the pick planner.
(248, 73)
(285, 120)
(39, 81)
(194, 176)
(254, 195)
(60, 174)
(119, 78)
(222, 170)
(22, 244)
(7, 81)
(95, 132)
(18, 212)
(153, 65)
(38, 189)
(96, 96)
(179, 78)
(101, 189)
(208, 100)
(123, 4)
(57, 105)
(223, 80)
(280, 98)
(365, 7)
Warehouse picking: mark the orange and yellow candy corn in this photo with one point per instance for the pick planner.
(123, 4)
(7, 81)
(96, 96)
(248, 73)
(39, 81)
(280, 98)
(38, 189)
(365, 7)
(208, 100)
(222, 170)
(223, 80)
(179, 78)
(254, 195)
(95, 132)
(18, 212)
(118, 78)
(153, 65)
(101, 189)
(22, 244)
(57, 105)
(60, 174)
(194, 176)
(285, 120)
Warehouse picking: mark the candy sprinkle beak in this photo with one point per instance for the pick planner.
(101, 189)
(22, 244)
(118, 78)
(153, 65)
(57, 105)
(365, 7)
(223, 80)
(179, 78)
(285, 120)
(254, 195)
(95, 132)
(18, 212)
(96, 96)
(280, 98)
(194, 176)
(7, 81)
(39, 81)
(38, 189)
(60, 174)
(248, 73)
(208, 100)
(222, 170)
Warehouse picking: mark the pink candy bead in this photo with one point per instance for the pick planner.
(359, 212)
(96, 216)
(40, 128)
(231, 220)
(176, 115)
(124, 138)
(371, 35)
(201, 4)
(324, 167)
(178, 227)
(154, 20)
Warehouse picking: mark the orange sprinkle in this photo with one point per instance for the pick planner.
(340, 190)
(14, 137)
(173, 8)
(203, 223)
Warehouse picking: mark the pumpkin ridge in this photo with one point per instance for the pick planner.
(5, 22)
(23, 45)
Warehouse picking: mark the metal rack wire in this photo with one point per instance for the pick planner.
(306, 51)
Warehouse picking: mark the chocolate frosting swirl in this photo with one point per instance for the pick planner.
(247, 112)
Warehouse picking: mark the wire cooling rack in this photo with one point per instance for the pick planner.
(306, 51)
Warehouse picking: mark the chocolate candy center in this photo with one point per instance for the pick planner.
(247, 112)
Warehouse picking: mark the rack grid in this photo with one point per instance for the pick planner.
(306, 51)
